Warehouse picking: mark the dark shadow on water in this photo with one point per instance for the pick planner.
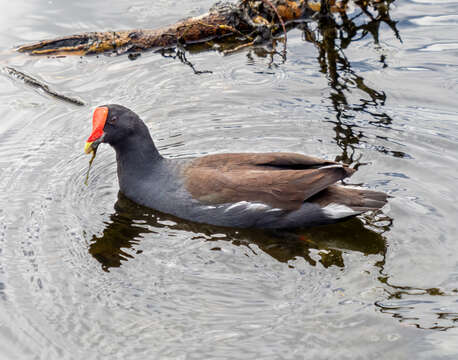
(130, 222)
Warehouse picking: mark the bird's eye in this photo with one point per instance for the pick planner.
(112, 120)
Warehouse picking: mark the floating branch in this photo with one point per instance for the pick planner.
(245, 20)
(29, 80)
(247, 23)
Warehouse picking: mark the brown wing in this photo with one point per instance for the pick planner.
(281, 180)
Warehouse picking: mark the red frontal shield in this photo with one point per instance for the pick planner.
(98, 123)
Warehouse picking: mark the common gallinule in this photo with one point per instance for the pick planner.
(264, 190)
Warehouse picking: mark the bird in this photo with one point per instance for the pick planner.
(276, 190)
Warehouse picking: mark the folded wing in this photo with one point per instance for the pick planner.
(280, 180)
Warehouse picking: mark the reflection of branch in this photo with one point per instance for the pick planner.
(382, 16)
(444, 320)
(331, 37)
(130, 222)
(180, 53)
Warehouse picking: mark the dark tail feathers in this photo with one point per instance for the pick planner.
(357, 199)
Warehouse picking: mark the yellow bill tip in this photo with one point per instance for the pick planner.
(88, 147)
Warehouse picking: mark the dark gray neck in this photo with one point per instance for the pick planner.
(137, 158)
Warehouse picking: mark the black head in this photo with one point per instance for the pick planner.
(118, 126)
(121, 124)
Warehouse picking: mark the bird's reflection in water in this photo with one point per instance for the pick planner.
(130, 222)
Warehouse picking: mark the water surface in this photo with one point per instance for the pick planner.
(85, 273)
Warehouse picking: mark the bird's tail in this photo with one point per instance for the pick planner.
(357, 199)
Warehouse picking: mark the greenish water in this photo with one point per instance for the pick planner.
(85, 273)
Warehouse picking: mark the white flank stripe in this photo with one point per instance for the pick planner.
(337, 211)
(209, 207)
(331, 166)
(245, 205)
(355, 187)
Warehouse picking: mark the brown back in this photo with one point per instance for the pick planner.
(281, 180)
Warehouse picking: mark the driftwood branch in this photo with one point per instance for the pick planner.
(328, 24)
(244, 19)
(29, 80)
